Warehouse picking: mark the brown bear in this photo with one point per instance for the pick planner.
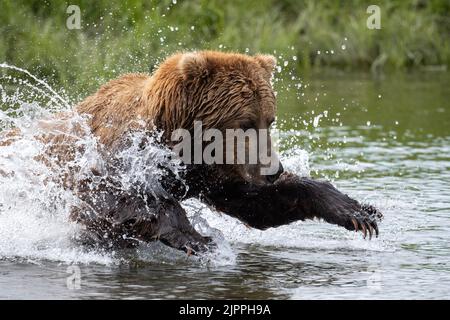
(223, 91)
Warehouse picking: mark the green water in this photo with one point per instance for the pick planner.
(384, 141)
(413, 107)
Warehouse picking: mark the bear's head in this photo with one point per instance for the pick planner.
(227, 92)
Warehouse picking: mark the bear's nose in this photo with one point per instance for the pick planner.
(274, 177)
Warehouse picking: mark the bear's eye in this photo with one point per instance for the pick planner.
(248, 125)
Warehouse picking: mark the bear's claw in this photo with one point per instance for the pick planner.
(366, 221)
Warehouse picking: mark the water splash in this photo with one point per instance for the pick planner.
(34, 204)
(53, 95)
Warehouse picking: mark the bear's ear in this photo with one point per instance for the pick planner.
(193, 65)
(267, 62)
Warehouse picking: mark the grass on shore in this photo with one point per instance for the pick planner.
(134, 35)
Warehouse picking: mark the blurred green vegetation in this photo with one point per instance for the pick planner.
(134, 35)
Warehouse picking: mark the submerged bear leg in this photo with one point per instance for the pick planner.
(121, 218)
(292, 198)
(175, 230)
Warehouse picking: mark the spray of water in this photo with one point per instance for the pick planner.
(53, 95)
(35, 203)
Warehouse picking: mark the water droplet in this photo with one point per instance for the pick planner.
(343, 47)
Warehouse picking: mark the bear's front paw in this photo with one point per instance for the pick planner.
(328, 203)
(365, 220)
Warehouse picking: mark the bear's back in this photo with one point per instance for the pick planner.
(114, 106)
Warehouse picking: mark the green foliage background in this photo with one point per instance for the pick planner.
(128, 36)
